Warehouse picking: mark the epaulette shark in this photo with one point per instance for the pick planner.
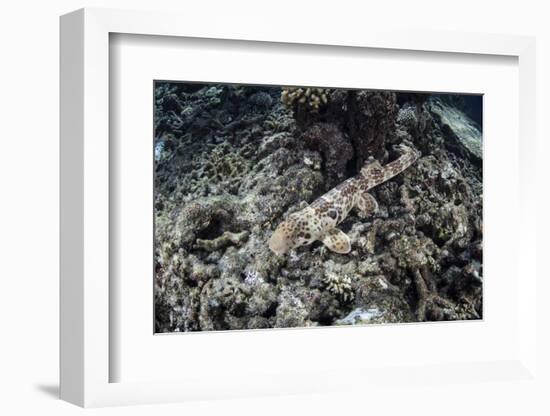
(319, 220)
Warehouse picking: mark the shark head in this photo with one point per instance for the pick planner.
(291, 233)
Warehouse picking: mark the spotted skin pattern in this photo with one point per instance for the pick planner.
(319, 220)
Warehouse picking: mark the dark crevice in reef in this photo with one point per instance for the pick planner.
(215, 228)
(231, 162)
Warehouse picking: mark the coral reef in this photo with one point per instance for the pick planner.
(231, 162)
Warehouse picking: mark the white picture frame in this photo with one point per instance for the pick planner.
(85, 165)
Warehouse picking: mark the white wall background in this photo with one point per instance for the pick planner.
(29, 205)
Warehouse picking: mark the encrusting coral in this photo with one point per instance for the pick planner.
(219, 242)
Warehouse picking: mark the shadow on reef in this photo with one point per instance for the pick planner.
(233, 161)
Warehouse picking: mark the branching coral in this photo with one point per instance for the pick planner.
(224, 164)
(312, 98)
(339, 285)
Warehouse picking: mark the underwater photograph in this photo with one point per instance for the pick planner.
(284, 207)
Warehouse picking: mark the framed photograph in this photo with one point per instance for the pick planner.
(323, 214)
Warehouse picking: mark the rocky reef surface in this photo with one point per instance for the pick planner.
(231, 162)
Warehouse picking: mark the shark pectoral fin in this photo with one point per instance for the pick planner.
(366, 204)
(337, 240)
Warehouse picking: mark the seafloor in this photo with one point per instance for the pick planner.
(231, 162)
